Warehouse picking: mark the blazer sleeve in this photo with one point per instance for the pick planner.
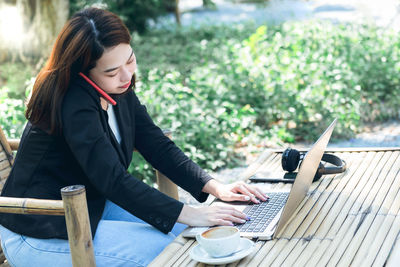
(84, 133)
(165, 156)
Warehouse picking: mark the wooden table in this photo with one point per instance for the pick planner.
(346, 219)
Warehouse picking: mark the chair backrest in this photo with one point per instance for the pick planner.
(73, 206)
(6, 159)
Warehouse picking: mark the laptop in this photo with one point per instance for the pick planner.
(269, 218)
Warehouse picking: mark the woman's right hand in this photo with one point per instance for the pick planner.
(211, 215)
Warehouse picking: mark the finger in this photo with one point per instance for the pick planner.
(240, 197)
(257, 192)
(233, 219)
(234, 212)
(244, 190)
(222, 222)
(230, 211)
(235, 195)
(262, 192)
(236, 186)
(240, 215)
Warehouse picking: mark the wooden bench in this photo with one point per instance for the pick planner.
(351, 218)
(73, 206)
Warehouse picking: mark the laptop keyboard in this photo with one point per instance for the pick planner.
(262, 214)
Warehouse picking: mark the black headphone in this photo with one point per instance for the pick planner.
(292, 157)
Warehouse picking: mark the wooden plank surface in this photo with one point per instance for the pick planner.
(346, 219)
(292, 234)
(320, 204)
(359, 220)
(366, 242)
(333, 212)
(391, 246)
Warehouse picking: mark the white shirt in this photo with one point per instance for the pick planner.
(112, 121)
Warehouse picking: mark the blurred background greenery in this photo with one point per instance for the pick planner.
(222, 87)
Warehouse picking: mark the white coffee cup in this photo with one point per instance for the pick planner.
(219, 241)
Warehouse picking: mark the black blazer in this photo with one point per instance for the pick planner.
(87, 153)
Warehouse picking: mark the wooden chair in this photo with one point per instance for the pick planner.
(73, 206)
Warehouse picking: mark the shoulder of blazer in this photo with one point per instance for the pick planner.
(80, 90)
(80, 97)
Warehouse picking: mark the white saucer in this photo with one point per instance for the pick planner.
(198, 254)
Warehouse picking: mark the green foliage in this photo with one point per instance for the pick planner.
(12, 119)
(180, 83)
(215, 86)
(14, 80)
(304, 70)
(315, 71)
(16, 77)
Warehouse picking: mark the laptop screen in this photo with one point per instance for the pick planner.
(304, 177)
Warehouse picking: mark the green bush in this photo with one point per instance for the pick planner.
(15, 77)
(12, 119)
(15, 83)
(316, 71)
(215, 86)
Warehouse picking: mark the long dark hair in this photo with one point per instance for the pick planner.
(79, 45)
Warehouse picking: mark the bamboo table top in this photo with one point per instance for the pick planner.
(346, 219)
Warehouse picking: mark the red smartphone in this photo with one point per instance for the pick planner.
(98, 89)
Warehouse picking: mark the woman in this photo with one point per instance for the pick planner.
(74, 136)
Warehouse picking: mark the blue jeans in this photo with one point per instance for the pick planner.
(121, 240)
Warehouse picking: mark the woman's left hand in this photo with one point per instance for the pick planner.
(238, 191)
